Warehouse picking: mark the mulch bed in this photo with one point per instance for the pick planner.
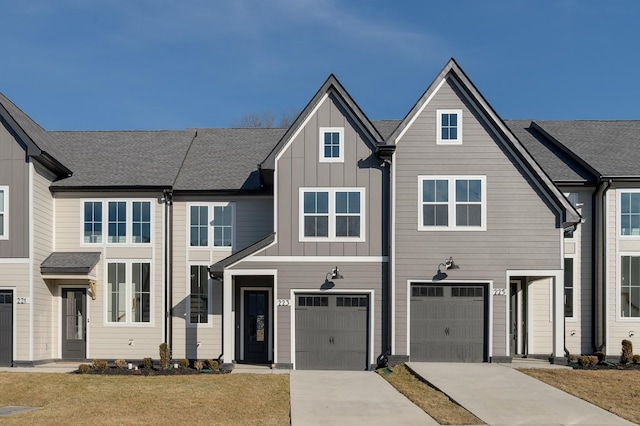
(607, 366)
(114, 371)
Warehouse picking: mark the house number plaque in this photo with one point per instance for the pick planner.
(499, 291)
(284, 302)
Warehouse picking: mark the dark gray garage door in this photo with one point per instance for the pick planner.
(448, 323)
(331, 332)
(6, 328)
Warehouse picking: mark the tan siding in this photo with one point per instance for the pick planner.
(522, 230)
(539, 324)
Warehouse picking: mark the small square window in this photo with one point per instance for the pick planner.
(449, 127)
(331, 144)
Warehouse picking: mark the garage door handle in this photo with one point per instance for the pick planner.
(446, 331)
(331, 340)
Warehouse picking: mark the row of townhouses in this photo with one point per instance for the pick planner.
(449, 235)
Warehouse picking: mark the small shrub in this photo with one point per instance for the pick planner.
(121, 364)
(164, 356)
(84, 368)
(212, 364)
(147, 363)
(593, 360)
(627, 352)
(636, 359)
(198, 365)
(583, 361)
(183, 363)
(99, 365)
(601, 356)
(572, 359)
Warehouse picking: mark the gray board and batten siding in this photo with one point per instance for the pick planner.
(299, 166)
(14, 174)
(523, 228)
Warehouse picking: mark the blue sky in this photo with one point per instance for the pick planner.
(173, 64)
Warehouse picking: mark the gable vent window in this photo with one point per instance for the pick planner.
(449, 127)
(331, 144)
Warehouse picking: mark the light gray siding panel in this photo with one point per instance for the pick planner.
(14, 173)
(522, 230)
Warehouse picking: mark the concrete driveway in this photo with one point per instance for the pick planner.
(350, 398)
(499, 395)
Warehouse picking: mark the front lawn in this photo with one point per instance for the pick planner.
(94, 399)
(617, 391)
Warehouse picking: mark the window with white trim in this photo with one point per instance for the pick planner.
(199, 300)
(4, 212)
(128, 222)
(331, 144)
(630, 287)
(128, 292)
(568, 287)
(452, 203)
(331, 214)
(449, 126)
(212, 225)
(630, 213)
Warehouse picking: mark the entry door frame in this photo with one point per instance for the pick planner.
(294, 293)
(87, 313)
(13, 321)
(271, 325)
(519, 311)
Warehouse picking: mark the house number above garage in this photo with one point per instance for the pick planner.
(499, 291)
(284, 302)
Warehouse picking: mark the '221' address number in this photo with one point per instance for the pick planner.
(499, 291)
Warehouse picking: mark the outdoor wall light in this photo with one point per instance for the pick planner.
(447, 264)
(334, 274)
(632, 333)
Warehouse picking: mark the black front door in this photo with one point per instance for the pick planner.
(74, 335)
(6, 328)
(256, 327)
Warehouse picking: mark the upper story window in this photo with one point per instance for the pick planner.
(630, 287)
(334, 214)
(128, 292)
(331, 144)
(4, 212)
(212, 225)
(630, 213)
(127, 222)
(452, 203)
(449, 126)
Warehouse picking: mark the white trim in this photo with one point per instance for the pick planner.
(317, 259)
(87, 321)
(31, 260)
(332, 214)
(128, 221)
(210, 228)
(128, 270)
(5, 212)
(452, 203)
(228, 310)
(439, 140)
(488, 284)
(371, 293)
(14, 260)
(322, 132)
(419, 111)
(209, 323)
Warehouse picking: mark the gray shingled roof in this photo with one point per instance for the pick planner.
(39, 137)
(226, 159)
(70, 262)
(121, 158)
(610, 147)
(386, 127)
(557, 164)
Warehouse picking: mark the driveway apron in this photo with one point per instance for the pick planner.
(500, 395)
(350, 398)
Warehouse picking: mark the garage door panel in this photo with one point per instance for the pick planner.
(333, 333)
(447, 323)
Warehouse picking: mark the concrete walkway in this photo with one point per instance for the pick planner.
(53, 367)
(500, 395)
(350, 398)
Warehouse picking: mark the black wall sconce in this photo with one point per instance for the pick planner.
(447, 264)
